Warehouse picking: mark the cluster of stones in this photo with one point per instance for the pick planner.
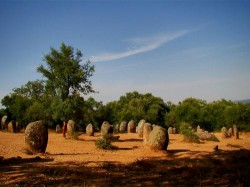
(228, 133)
(10, 126)
(154, 136)
(204, 135)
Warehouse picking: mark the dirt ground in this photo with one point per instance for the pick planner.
(70, 162)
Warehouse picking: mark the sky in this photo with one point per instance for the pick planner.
(172, 49)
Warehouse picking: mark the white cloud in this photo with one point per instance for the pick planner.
(145, 44)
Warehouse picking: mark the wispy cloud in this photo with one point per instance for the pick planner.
(144, 45)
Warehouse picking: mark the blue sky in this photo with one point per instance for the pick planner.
(173, 49)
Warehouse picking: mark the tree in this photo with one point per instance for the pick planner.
(64, 73)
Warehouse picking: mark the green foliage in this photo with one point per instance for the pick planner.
(64, 73)
(137, 106)
(189, 135)
(104, 143)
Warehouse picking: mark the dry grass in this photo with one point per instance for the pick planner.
(79, 163)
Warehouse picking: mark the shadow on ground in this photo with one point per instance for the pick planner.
(220, 168)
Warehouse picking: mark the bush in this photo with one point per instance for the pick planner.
(189, 135)
(105, 142)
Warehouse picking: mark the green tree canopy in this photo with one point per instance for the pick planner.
(64, 73)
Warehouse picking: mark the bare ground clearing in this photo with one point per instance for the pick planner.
(79, 163)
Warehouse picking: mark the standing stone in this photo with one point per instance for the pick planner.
(230, 132)
(71, 128)
(90, 130)
(131, 127)
(12, 126)
(140, 127)
(147, 128)
(158, 138)
(106, 128)
(4, 122)
(116, 128)
(174, 130)
(224, 132)
(123, 127)
(236, 132)
(36, 137)
(58, 129)
(170, 130)
(198, 128)
(64, 129)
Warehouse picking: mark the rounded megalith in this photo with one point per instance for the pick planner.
(90, 130)
(131, 127)
(12, 127)
(224, 132)
(106, 128)
(4, 122)
(140, 128)
(147, 128)
(58, 129)
(36, 137)
(158, 138)
(71, 128)
(123, 127)
(170, 130)
(116, 128)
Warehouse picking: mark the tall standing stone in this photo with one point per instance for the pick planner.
(36, 137)
(4, 122)
(140, 128)
(106, 128)
(147, 128)
(12, 126)
(71, 128)
(58, 129)
(123, 127)
(90, 130)
(224, 132)
(236, 132)
(131, 127)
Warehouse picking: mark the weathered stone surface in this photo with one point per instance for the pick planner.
(158, 138)
(90, 130)
(224, 132)
(147, 128)
(140, 128)
(131, 127)
(123, 127)
(230, 132)
(205, 135)
(36, 137)
(116, 128)
(174, 130)
(106, 128)
(4, 122)
(58, 129)
(12, 127)
(71, 128)
(236, 132)
(170, 130)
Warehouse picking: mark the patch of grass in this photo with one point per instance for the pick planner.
(27, 152)
(233, 146)
(189, 135)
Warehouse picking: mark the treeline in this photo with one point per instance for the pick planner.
(59, 98)
(27, 107)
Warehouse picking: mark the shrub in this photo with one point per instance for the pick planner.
(105, 142)
(189, 135)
